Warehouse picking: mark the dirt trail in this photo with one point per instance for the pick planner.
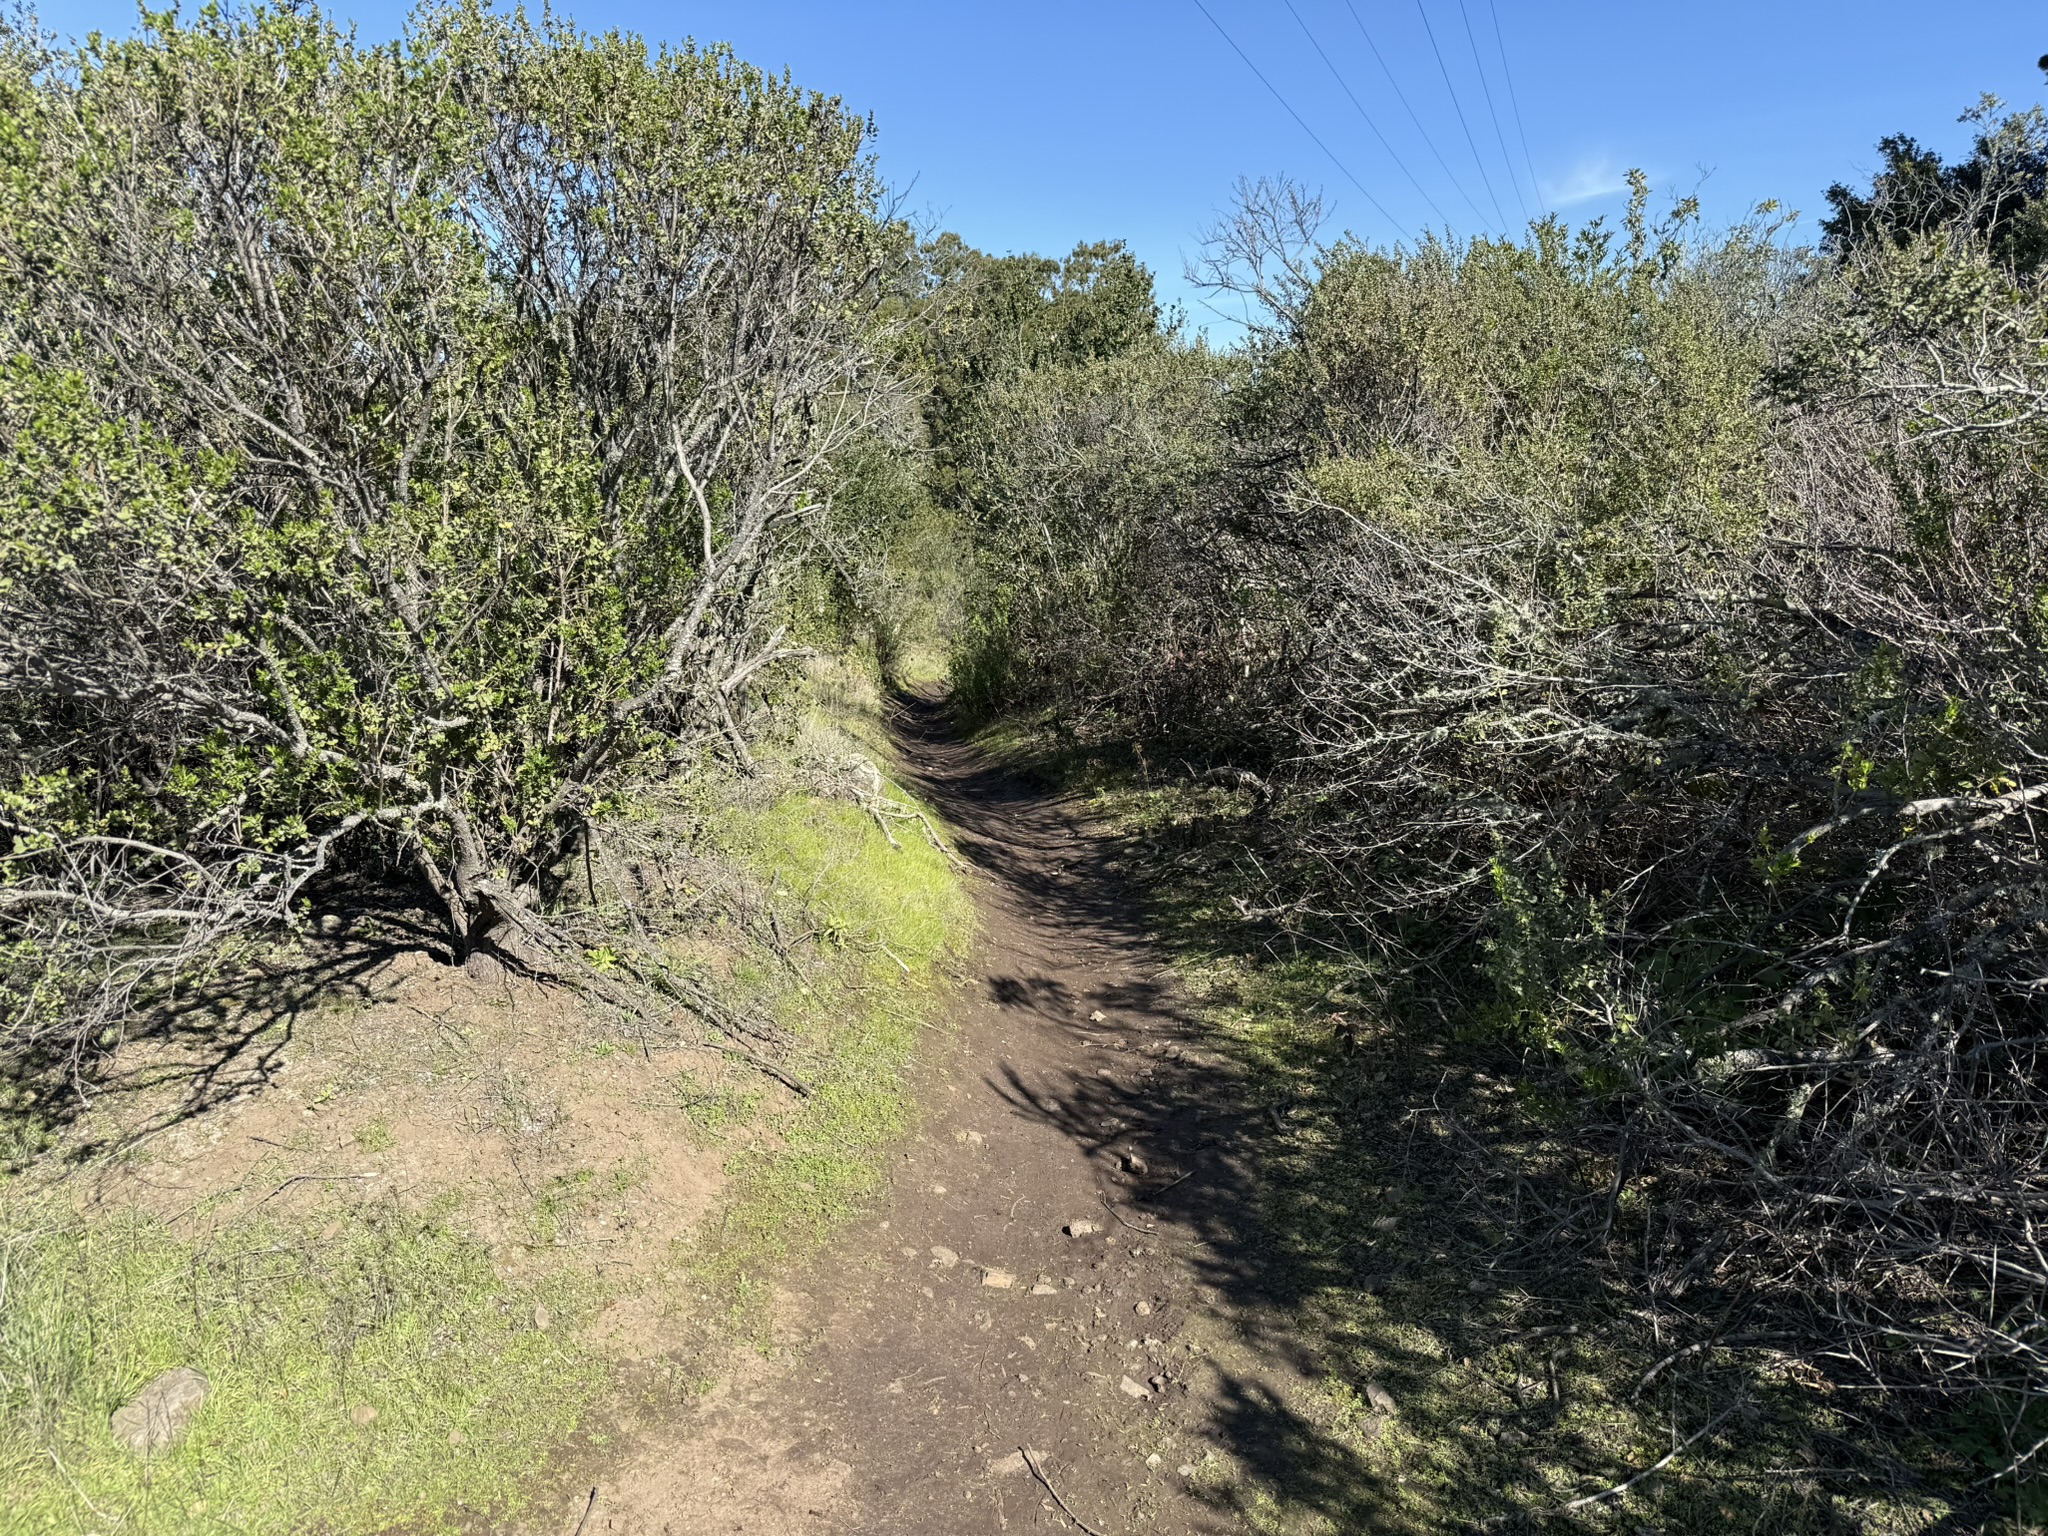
(962, 1321)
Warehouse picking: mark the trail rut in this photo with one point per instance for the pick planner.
(975, 1316)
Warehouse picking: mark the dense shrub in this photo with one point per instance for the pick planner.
(1650, 632)
(399, 442)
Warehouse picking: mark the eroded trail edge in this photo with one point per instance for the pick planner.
(1067, 1265)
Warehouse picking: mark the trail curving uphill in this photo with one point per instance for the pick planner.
(972, 1357)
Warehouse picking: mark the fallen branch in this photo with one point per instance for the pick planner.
(1655, 1466)
(1031, 1461)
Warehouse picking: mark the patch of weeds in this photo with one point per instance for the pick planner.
(568, 1201)
(715, 1108)
(387, 1375)
(375, 1136)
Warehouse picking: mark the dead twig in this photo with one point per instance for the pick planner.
(1031, 1461)
(1120, 1221)
(314, 1178)
(1154, 1194)
(1656, 1466)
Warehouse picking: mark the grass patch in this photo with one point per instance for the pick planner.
(302, 1339)
(886, 918)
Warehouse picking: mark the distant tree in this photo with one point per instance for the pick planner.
(988, 319)
(2000, 191)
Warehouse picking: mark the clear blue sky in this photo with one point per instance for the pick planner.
(1032, 127)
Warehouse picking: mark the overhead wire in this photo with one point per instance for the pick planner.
(1402, 96)
(1336, 75)
(1459, 107)
(1522, 133)
(1486, 90)
(1300, 121)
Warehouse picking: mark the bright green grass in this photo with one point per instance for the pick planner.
(890, 916)
(401, 1314)
(394, 1314)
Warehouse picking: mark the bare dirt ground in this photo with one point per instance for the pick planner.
(1063, 1317)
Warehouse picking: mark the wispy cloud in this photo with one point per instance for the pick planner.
(1589, 179)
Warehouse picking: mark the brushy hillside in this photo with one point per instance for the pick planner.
(424, 1233)
(1624, 652)
(456, 937)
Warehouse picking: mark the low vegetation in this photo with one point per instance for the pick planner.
(423, 1232)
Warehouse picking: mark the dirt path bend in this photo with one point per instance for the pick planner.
(1068, 1262)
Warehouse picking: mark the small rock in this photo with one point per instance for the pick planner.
(362, 1415)
(1385, 1223)
(1044, 1289)
(1187, 1469)
(1158, 1383)
(938, 1189)
(1011, 1465)
(1097, 1016)
(909, 1252)
(1152, 1461)
(1082, 1228)
(1143, 1309)
(1134, 1163)
(161, 1412)
(542, 1319)
(330, 924)
(943, 1256)
(999, 1279)
(1130, 1388)
(457, 1437)
(1381, 1399)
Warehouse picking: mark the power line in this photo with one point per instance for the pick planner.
(1486, 90)
(1248, 64)
(1458, 107)
(1375, 127)
(1522, 133)
(1402, 96)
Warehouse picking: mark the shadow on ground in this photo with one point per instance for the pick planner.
(210, 1041)
(1379, 1222)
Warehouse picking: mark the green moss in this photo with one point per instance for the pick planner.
(889, 916)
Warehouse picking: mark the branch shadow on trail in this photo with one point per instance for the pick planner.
(1191, 1120)
(1369, 1214)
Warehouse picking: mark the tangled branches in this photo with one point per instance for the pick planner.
(387, 503)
